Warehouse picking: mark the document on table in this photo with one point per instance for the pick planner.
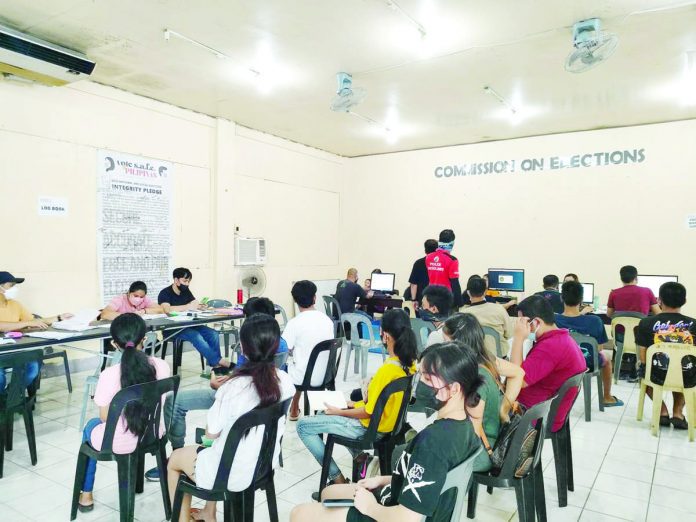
(7, 341)
(179, 318)
(50, 335)
(317, 399)
(153, 316)
(79, 322)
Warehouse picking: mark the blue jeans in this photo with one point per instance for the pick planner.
(31, 373)
(88, 484)
(175, 412)
(205, 340)
(309, 429)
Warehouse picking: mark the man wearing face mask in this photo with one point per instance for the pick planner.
(435, 308)
(552, 356)
(178, 298)
(14, 316)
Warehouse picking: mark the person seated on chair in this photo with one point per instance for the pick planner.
(127, 334)
(552, 359)
(418, 279)
(14, 316)
(572, 319)
(551, 293)
(204, 398)
(489, 314)
(400, 341)
(669, 326)
(135, 301)
(256, 384)
(178, 298)
(349, 291)
(302, 333)
(631, 297)
(435, 308)
(465, 330)
(261, 305)
(450, 378)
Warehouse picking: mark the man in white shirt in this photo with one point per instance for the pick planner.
(302, 333)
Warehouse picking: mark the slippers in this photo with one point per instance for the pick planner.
(679, 424)
(664, 420)
(617, 402)
(85, 508)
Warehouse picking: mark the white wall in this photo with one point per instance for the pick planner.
(585, 220)
(225, 176)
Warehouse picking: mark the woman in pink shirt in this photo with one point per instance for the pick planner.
(127, 333)
(134, 301)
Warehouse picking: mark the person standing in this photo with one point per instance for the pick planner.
(419, 274)
(443, 267)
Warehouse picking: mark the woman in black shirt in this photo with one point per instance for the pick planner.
(450, 377)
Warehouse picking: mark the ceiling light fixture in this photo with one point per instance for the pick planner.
(389, 132)
(257, 74)
(396, 7)
(503, 101)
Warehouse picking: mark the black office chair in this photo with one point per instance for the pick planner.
(16, 399)
(239, 505)
(560, 440)
(131, 467)
(382, 443)
(529, 489)
(332, 346)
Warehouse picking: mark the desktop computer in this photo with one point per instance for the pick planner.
(506, 279)
(587, 293)
(382, 282)
(654, 282)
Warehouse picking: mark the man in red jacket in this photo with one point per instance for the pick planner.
(443, 267)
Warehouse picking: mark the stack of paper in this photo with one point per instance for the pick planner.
(79, 322)
(153, 316)
(4, 340)
(50, 334)
(319, 399)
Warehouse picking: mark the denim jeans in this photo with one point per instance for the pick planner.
(31, 373)
(88, 484)
(205, 340)
(309, 429)
(175, 412)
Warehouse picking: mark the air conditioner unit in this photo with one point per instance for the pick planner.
(250, 251)
(28, 57)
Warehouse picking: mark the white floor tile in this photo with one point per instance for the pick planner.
(620, 507)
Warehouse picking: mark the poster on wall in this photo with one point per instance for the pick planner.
(134, 219)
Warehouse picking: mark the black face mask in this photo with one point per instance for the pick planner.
(427, 396)
(183, 287)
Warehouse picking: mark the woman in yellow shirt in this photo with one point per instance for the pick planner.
(400, 341)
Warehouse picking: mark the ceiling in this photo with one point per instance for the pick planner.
(427, 91)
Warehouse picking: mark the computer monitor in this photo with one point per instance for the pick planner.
(383, 282)
(510, 279)
(587, 293)
(654, 282)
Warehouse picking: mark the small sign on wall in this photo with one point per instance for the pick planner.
(691, 221)
(49, 206)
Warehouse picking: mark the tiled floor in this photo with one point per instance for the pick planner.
(622, 472)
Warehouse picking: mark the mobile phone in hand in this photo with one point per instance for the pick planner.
(337, 502)
(221, 370)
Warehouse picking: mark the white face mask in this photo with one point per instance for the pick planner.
(11, 293)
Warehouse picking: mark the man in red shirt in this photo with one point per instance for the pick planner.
(631, 297)
(443, 267)
(553, 358)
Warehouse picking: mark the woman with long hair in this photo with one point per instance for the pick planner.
(400, 341)
(465, 329)
(127, 335)
(255, 384)
(451, 381)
